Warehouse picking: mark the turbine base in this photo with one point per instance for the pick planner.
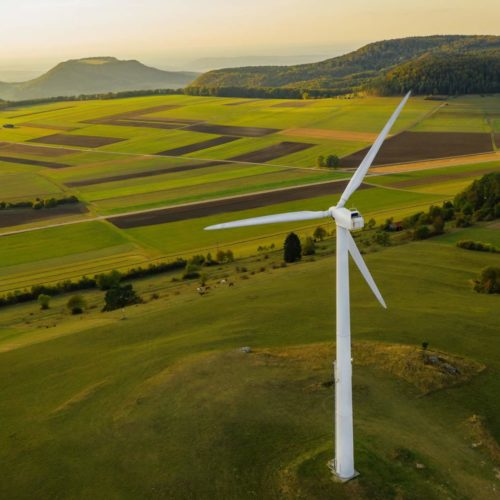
(336, 477)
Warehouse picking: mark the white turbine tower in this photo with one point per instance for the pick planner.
(346, 221)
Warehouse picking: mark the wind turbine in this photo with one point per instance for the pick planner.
(346, 221)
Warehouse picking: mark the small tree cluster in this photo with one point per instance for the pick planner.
(38, 203)
(480, 201)
(225, 256)
(331, 161)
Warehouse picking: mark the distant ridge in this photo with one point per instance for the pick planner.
(94, 75)
(368, 67)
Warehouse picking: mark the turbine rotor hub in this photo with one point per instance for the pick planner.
(348, 219)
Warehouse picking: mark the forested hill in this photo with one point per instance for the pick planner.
(364, 69)
(451, 74)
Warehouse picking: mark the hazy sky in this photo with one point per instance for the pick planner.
(37, 33)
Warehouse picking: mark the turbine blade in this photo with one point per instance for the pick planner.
(356, 255)
(361, 171)
(270, 219)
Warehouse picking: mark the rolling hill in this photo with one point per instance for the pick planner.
(363, 68)
(94, 75)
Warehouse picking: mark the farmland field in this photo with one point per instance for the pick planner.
(155, 153)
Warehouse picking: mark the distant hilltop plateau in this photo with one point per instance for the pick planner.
(444, 64)
(95, 75)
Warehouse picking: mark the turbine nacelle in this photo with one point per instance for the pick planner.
(348, 219)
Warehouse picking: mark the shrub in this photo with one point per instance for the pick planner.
(76, 304)
(44, 301)
(308, 248)
(319, 233)
(382, 238)
(105, 281)
(191, 272)
(489, 281)
(421, 233)
(478, 246)
(120, 296)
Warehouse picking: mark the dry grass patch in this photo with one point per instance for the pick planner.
(427, 371)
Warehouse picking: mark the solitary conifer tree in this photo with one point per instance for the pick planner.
(292, 248)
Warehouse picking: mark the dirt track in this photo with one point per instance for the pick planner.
(414, 146)
(83, 141)
(198, 146)
(341, 135)
(36, 163)
(234, 204)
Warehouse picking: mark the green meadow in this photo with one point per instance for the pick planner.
(164, 403)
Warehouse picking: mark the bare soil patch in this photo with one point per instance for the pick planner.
(9, 218)
(28, 149)
(208, 128)
(37, 163)
(49, 127)
(234, 204)
(198, 146)
(273, 152)
(84, 141)
(341, 135)
(414, 146)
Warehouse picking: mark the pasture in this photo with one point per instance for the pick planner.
(164, 404)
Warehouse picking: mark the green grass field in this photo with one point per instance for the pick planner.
(164, 404)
